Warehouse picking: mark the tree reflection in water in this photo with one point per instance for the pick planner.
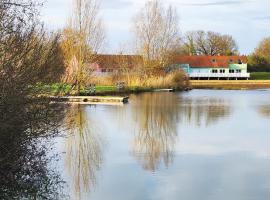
(84, 150)
(265, 110)
(25, 132)
(156, 115)
(204, 111)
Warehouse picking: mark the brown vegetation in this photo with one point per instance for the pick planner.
(208, 43)
(230, 84)
(176, 80)
(28, 54)
(259, 61)
(156, 32)
(82, 38)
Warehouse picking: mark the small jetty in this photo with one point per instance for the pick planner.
(164, 90)
(91, 99)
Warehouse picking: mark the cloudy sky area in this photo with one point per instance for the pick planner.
(248, 21)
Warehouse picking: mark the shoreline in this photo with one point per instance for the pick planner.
(230, 84)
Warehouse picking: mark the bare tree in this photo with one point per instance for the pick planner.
(208, 43)
(156, 31)
(27, 54)
(82, 39)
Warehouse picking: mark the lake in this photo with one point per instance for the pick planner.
(202, 144)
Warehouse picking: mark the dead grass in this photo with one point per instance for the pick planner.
(230, 84)
(175, 80)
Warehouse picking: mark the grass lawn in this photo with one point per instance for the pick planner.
(260, 75)
(101, 88)
(62, 89)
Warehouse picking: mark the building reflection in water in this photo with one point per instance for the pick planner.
(158, 118)
(26, 131)
(83, 150)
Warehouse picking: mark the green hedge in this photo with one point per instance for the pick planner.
(260, 76)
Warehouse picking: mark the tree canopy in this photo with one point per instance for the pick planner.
(156, 31)
(260, 59)
(208, 43)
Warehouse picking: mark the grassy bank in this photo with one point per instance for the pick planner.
(230, 84)
(64, 89)
(260, 76)
(106, 85)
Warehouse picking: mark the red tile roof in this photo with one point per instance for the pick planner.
(210, 61)
(118, 61)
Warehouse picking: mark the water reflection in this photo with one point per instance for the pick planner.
(264, 110)
(25, 132)
(84, 150)
(204, 111)
(156, 116)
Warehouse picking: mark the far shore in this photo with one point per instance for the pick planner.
(230, 84)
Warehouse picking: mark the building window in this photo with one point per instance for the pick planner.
(238, 71)
(214, 71)
(240, 61)
(222, 71)
(231, 61)
(231, 71)
(214, 60)
(103, 70)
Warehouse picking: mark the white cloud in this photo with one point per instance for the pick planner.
(246, 20)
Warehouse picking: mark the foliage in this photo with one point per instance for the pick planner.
(259, 61)
(82, 38)
(26, 127)
(208, 43)
(260, 76)
(28, 55)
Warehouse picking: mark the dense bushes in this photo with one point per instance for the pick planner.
(28, 54)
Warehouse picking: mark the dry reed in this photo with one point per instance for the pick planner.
(176, 80)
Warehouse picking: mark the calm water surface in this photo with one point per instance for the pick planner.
(198, 145)
(204, 144)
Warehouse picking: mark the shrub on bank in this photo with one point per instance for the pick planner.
(260, 76)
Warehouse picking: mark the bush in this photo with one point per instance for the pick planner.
(258, 64)
(260, 76)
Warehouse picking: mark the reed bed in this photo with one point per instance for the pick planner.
(175, 80)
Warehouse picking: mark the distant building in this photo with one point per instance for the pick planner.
(196, 67)
(107, 64)
(213, 67)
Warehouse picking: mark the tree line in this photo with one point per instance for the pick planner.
(157, 37)
(30, 54)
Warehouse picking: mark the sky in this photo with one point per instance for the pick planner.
(248, 21)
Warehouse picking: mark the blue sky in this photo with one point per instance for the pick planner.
(248, 21)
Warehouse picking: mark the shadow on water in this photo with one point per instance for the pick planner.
(25, 132)
(84, 147)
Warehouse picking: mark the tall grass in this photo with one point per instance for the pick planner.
(175, 80)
